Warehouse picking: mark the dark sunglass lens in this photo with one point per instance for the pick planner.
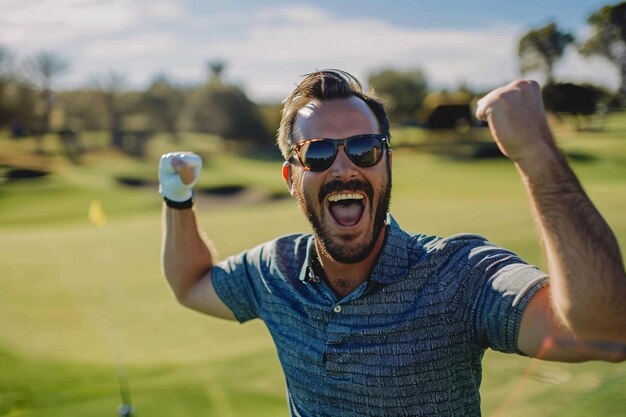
(365, 151)
(318, 155)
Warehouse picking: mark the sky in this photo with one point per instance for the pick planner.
(269, 44)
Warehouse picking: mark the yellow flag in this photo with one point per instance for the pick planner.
(96, 214)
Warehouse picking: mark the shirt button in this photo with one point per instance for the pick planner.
(337, 309)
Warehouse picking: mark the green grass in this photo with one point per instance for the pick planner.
(74, 297)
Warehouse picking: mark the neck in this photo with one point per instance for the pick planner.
(344, 278)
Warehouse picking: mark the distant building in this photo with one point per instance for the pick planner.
(443, 110)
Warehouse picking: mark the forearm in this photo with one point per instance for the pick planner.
(186, 256)
(587, 280)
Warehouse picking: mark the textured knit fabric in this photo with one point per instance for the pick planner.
(408, 342)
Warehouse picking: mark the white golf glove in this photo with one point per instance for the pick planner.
(170, 183)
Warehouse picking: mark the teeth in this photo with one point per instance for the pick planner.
(345, 196)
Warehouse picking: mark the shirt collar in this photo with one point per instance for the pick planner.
(306, 272)
(392, 264)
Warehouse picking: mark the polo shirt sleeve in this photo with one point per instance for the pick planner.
(497, 287)
(236, 280)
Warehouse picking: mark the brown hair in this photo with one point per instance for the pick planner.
(325, 85)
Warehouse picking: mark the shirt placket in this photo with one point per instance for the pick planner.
(340, 326)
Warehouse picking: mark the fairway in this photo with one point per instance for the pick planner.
(78, 300)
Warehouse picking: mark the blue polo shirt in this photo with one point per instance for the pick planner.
(407, 342)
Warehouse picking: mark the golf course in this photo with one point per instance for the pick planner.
(84, 305)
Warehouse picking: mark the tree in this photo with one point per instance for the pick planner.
(216, 69)
(225, 110)
(18, 98)
(6, 66)
(608, 38)
(6, 75)
(17, 108)
(583, 101)
(46, 67)
(163, 103)
(540, 49)
(402, 91)
(110, 87)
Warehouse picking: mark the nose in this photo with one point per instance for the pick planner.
(343, 167)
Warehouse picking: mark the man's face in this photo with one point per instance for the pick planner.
(346, 204)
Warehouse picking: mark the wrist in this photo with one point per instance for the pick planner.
(179, 205)
(549, 175)
(541, 163)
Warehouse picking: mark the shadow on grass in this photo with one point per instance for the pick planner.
(464, 150)
(468, 150)
(581, 156)
(10, 173)
(235, 194)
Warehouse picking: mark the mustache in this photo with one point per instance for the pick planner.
(347, 186)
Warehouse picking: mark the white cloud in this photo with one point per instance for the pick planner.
(48, 24)
(79, 13)
(295, 15)
(147, 45)
(137, 57)
(166, 10)
(267, 50)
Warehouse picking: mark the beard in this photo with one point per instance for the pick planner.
(346, 249)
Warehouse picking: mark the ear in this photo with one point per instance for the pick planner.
(287, 176)
(389, 158)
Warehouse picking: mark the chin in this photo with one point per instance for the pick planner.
(347, 248)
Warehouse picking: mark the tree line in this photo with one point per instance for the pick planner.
(541, 48)
(30, 104)
(30, 107)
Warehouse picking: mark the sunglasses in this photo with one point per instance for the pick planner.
(319, 154)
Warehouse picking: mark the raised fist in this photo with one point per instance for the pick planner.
(178, 173)
(517, 120)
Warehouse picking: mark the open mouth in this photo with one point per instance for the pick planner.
(346, 208)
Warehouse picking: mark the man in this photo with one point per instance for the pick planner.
(369, 320)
